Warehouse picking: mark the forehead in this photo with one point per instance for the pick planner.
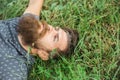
(64, 41)
(68, 37)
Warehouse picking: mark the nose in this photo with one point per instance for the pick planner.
(53, 30)
(50, 28)
(57, 28)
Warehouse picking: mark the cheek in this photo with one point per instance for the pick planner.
(47, 42)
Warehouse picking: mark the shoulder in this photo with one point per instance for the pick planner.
(30, 15)
(16, 19)
(9, 21)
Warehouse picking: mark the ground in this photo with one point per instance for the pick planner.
(97, 55)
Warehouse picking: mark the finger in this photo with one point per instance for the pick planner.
(43, 55)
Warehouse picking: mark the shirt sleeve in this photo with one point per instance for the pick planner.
(29, 14)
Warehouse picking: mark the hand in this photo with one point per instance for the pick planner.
(34, 7)
(43, 54)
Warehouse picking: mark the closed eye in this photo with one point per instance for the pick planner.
(56, 38)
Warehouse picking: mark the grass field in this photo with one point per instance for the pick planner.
(97, 55)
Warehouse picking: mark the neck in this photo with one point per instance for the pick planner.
(25, 47)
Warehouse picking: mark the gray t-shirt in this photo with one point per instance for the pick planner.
(15, 62)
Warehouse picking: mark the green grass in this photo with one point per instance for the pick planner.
(97, 54)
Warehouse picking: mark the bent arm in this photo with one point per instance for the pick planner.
(34, 7)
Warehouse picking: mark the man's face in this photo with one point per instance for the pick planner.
(54, 38)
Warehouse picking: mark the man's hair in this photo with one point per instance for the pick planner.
(73, 38)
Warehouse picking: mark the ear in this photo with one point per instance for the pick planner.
(43, 54)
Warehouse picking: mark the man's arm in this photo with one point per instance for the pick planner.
(34, 7)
